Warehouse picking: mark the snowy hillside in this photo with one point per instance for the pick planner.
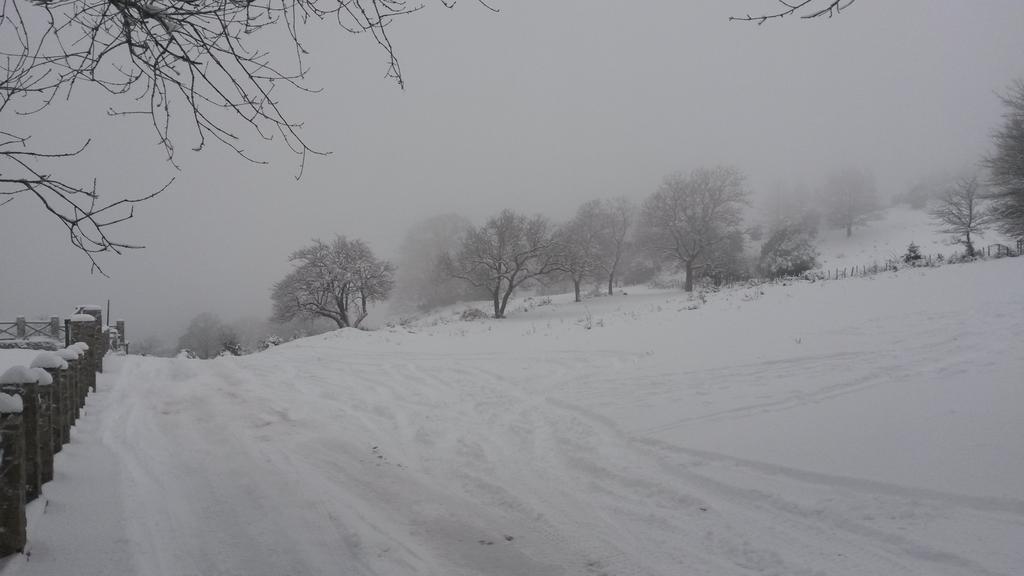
(888, 238)
(871, 426)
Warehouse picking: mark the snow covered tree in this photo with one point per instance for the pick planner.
(508, 250)
(421, 282)
(789, 251)
(337, 280)
(851, 199)
(205, 336)
(959, 213)
(1006, 167)
(913, 254)
(690, 216)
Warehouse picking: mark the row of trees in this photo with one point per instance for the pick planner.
(512, 249)
(692, 223)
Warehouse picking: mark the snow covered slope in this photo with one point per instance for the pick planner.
(869, 426)
(888, 238)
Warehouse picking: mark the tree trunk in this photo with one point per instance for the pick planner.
(611, 279)
(849, 230)
(504, 300)
(576, 288)
(689, 276)
(970, 247)
(498, 308)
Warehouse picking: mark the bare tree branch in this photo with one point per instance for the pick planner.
(192, 65)
(804, 9)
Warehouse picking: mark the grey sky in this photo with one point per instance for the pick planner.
(538, 108)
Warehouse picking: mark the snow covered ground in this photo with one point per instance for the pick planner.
(871, 426)
(888, 238)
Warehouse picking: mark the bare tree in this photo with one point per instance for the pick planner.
(616, 221)
(508, 250)
(804, 9)
(593, 243)
(1006, 166)
(959, 212)
(204, 66)
(689, 216)
(27, 77)
(851, 199)
(577, 246)
(337, 281)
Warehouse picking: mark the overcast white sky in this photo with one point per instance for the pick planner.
(537, 108)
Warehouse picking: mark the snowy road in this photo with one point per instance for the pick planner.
(855, 451)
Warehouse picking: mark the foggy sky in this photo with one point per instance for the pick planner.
(537, 108)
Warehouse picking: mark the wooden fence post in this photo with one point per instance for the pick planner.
(19, 330)
(54, 327)
(13, 535)
(22, 381)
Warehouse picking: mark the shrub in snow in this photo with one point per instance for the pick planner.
(789, 251)
(270, 342)
(187, 354)
(470, 314)
(913, 255)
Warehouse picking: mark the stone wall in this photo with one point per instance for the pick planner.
(39, 405)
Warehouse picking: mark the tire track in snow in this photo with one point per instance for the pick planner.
(484, 452)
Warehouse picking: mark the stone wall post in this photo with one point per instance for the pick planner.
(44, 426)
(121, 335)
(68, 386)
(98, 343)
(58, 408)
(13, 535)
(84, 328)
(51, 410)
(22, 382)
(74, 387)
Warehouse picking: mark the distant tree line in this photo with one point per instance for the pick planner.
(692, 224)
